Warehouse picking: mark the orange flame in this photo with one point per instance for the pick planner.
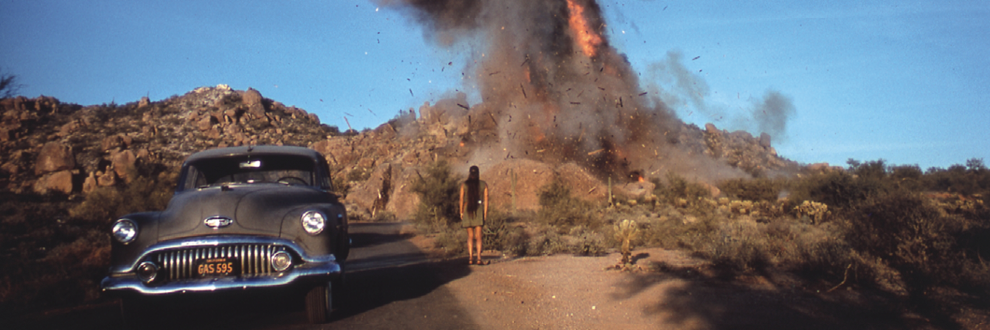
(586, 39)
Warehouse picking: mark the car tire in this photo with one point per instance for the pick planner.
(319, 303)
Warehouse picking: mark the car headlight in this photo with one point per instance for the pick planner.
(281, 261)
(313, 222)
(125, 231)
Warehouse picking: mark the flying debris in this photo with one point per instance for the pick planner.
(411, 93)
(696, 57)
(643, 93)
(463, 106)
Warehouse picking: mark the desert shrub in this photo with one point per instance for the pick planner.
(766, 210)
(837, 189)
(545, 240)
(586, 242)
(907, 177)
(967, 180)
(761, 189)
(736, 247)
(680, 192)
(47, 260)
(341, 185)
(516, 241)
(496, 231)
(438, 190)
(359, 174)
(559, 208)
(383, 216)
(912, 235)
(105, 204)
(823, 259)
(451, 241)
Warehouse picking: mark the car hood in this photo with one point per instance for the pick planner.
(256, 209)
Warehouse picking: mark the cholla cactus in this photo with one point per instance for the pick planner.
(816, 211)
(625, 232)
(741, 207)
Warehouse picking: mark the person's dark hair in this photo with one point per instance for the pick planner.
(473, 195)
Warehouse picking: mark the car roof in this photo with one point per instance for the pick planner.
(254, 150)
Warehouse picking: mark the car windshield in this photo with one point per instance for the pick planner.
(263, 169)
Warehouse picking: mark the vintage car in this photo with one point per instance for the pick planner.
(242, 218)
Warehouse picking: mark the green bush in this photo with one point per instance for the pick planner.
(761, 189)
(587, 242)
(679, 191)
(837, 189)
(559, 208)
(452, 241)
(438, 190)
(912, 234)
(496, 231)
(545, 240)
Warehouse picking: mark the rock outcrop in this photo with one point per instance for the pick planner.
(47, 146)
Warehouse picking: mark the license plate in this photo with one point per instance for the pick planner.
(217, 267)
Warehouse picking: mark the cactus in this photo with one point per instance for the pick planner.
(815, 211)
(625, 232)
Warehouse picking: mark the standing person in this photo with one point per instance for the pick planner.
(474, 211)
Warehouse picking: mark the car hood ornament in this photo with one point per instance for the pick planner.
(217, 222)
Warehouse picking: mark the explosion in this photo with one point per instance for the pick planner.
(554, 90)
(586, 39)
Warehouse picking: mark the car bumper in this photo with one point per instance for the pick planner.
(311, 271)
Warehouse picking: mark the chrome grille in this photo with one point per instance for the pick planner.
(254, 259)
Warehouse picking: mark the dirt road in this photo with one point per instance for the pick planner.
(392, 283)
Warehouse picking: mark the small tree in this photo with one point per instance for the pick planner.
(438, 191)
(8, 85)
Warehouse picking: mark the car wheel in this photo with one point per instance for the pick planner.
(319, 303)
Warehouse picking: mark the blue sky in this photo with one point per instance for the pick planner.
(904, 81)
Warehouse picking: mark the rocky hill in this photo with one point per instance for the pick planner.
(50, 147)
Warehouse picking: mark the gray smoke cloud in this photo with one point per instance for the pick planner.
(680, 86)
(546, 95)
(772, 112)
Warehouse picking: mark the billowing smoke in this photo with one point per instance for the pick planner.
(772, 112)
(553, 89)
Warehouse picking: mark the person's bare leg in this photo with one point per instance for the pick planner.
(478, 236)
(470, 245)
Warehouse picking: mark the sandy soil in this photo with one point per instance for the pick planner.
(665, 290)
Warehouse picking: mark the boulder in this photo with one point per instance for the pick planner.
(89, 184)
(205, 123)
(254, 102)
(404, 201)
(123, 164)
(106, 178)
(373, 194)
(765, 140)
(60, 181)
(711, 129)
(116, 141)
(251, 97)
(54, 156)
(634, 190)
